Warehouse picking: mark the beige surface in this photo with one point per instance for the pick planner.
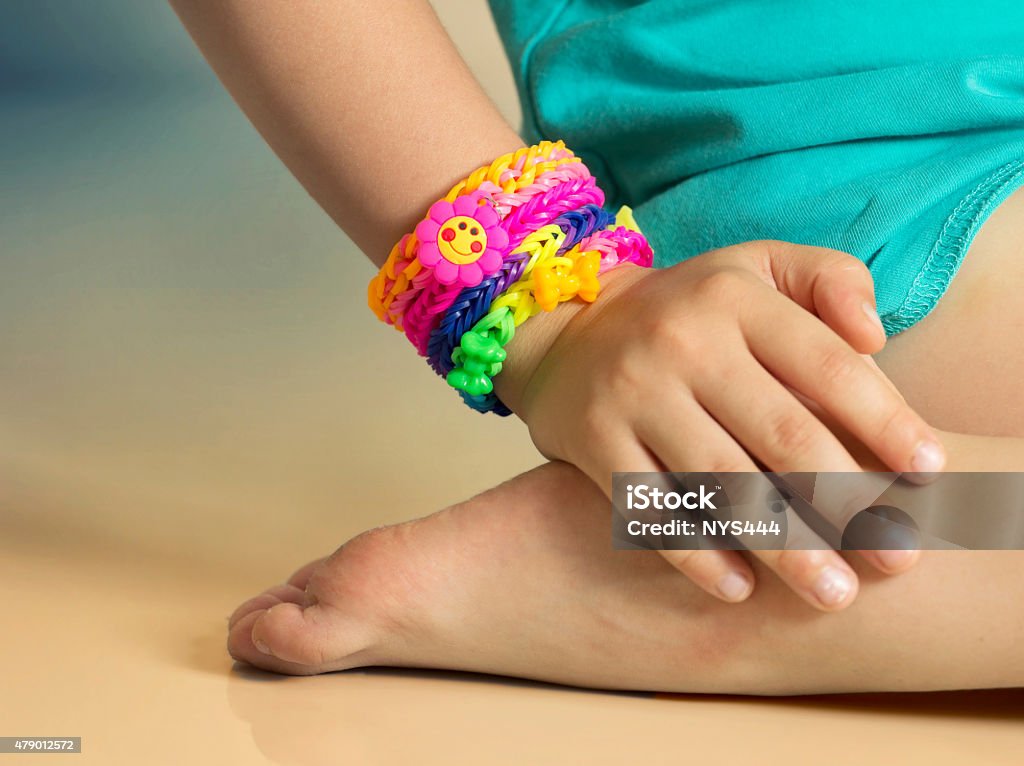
(126, 651)
(193, 402)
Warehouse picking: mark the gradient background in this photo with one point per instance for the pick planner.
(194, 401)
(186, 342)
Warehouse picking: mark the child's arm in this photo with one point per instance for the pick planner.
(371, 107)
(367, 103)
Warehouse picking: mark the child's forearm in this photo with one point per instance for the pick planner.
(368, 104)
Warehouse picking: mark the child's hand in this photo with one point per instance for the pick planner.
(701, 366)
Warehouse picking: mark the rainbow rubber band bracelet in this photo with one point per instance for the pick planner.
(481, 352)
(514, 238)
(424, 314)
(473, 302)
(444, 285)
(555, 278)
(515, 175)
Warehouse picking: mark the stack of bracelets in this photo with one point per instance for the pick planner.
(515, 237)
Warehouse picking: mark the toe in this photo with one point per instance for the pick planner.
(354, 608)
(241, 648)
(301, 578)
(278, 594)
(314, 636)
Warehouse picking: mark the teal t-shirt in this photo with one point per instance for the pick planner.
(889, 130)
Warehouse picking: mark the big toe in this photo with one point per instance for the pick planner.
(300, 640)
(328, 615)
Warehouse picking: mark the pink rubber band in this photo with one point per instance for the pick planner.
(422, 317)
(619, 245)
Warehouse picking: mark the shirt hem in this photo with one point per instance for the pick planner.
(949, 250)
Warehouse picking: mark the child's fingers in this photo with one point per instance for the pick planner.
(799, 556)
(723, 574)
(620, 454)
(832, 284)
(706, 447)
(816, 573)
(685, 437)
(821, 577)
(771, 423)
(820, 366)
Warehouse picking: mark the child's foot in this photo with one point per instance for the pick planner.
(519, 581)
(523, 581)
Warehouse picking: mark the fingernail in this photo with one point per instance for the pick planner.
(833, 586)
(895, 559)
(261, 646)
(928, 458)
(734, 587)
(872, 314)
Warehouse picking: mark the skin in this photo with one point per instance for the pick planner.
(347, 92)
(438, 592)
(330, 86)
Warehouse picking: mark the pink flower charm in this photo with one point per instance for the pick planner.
(462, 241)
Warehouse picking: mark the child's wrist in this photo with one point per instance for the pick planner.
(538, 337)
(513, 241)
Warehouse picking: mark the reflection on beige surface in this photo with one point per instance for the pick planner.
(194, 401)
(126, 650)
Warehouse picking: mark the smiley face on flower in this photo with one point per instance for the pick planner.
(462, 241)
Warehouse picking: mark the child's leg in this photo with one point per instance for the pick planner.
(523, 580)
(961, 367)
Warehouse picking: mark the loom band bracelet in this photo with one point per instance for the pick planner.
(457, 244)
(481, 352)
(530, 176)
(435, 303)
(486, 404)
(429, 308)
(517, 301)
(509, 167)
(636, 249)
(506, 166)
(620, 242)
(522, 302)
(480, 355)
(528, 251)
(427, 311)
(404, 252)
(382, 287)
(516, 297)
(620, 245)
(555, 280)
(583, 222)
(514, 181)
(507, 202)
(393, 306)
(566, 277)
(546, 207)
(508, 170)
(461, 244)
(557, 200)
(477, 374)
(473, 303)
